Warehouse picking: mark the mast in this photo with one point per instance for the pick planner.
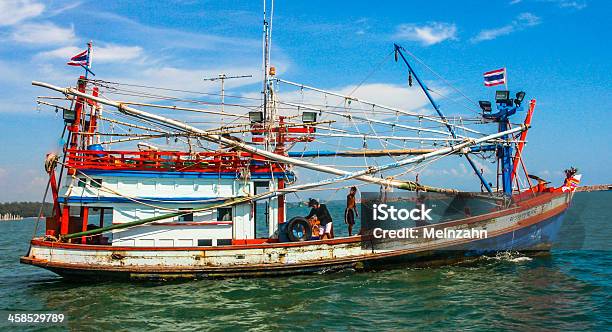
(506, 107)
(398, 50)
(266, 61)
(268, 109)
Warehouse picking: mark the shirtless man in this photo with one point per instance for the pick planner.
(351, 210)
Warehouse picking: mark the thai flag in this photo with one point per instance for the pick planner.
(81, 59)
(495, 77)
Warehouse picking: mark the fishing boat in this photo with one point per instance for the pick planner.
(143, 195)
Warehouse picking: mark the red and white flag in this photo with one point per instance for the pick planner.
(81, 59)
(495, 77)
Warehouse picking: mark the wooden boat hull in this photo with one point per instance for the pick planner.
(531, 227)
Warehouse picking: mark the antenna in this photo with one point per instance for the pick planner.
(222, 78)
(267, 36)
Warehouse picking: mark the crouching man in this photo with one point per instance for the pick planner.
(320, 210)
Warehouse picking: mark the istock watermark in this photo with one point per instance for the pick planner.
(480, 222)
(384, 212)
(403, 220)
(429, 233)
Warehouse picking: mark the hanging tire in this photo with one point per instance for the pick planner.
(299, 230)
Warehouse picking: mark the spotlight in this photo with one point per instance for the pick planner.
(502, 95)
(256, 117)
(309, 117)
(69, 116)
(519, 98)
(485, 105)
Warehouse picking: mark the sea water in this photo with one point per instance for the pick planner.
(570, 289)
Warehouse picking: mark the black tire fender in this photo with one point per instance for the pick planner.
(298, 229)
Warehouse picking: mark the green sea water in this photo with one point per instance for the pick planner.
(571, 290)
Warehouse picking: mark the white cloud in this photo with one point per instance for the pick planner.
(104, 54)
(394, 95)
(15, 11)
(65, 8)
(43, 33)
(63, 52)
(428, 34)
(191, 79)
(527, 20)
(571, 4)
(489, 34)
(10, 73)
(522, 21)
(113, 52)
(173, 38)
(362, 26)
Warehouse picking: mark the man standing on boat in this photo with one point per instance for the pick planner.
(320, 210)
(351, 210)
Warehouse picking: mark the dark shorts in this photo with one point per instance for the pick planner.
(350, 217)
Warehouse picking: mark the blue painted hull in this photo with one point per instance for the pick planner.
(531, 240)
(536, 237)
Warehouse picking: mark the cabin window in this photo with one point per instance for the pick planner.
(82, 182)
(224, 214)
(224, 242)
(186, 217)
(96, 183)
(204, 242)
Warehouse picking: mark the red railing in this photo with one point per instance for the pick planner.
(167, 161)
(285, 134)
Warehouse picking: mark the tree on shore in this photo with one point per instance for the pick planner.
(25, 209)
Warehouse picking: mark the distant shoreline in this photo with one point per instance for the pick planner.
(23, 210)
(596, 187)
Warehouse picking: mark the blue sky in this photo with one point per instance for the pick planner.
(556, 50)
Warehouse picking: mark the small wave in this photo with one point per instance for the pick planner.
(513, 257)
(521, 259)
(507, 256)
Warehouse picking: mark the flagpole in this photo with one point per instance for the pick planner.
(88, 66)
(506, 78)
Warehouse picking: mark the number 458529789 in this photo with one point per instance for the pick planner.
(35, 318)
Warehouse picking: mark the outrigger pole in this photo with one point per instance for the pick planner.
(362, 175)
(398, 50)
(407, 185)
